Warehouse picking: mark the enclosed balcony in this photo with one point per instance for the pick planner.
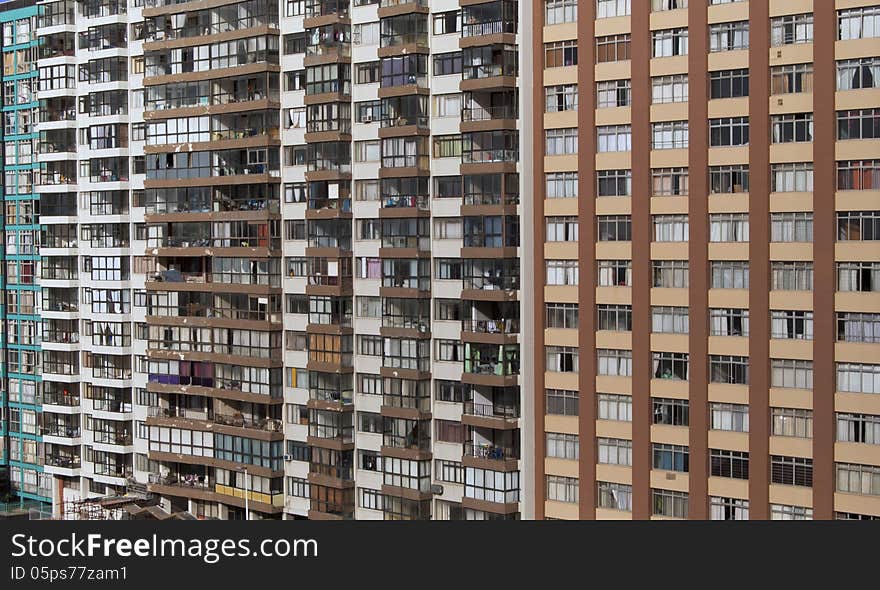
(408, 394)
(104, 170)
(496, 403)
(330, 156)
(330, 311)
(217, 127)
(403, 70)
(413, 233)
(110, 432)
(59, 268)
(206, 199)
(330, 117)
(491, 317)
(109, 399)
(222, 91)
(406, 29)
(62, 235)
(491, 231)
(410, 193)
(491, 359)
(406, 313)
(56, 14)
(62, 425)
(219, 234)
(328, 197)
(208, 164)
(333, 40)
(217, 269)
(62, 456)
(484, 106)
(407, 273)
(331, 426)
(230, 306)
(498, 274)
(334, 388)
(490, 189)
(61, 331)
(57, 109)
(491, 18)
(212, 21)
(329, 233)
(112, 464)
(57, 45)
(405, 111)
(333, 79)
(488, 62)
(60, 299)
(411, 354)
(487, 147)
(405, 152)
(403, 433)
(330, 352)
(56, 393)
(332, 463)
(99, 8)
(329, 272)
(318, 8)
(57, 173)
(109, 36)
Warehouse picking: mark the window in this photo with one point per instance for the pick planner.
(611, 406)
(662, 5)
(791, 325)
(614, 496)
(670, 457)
(562, 97)
(858, 479)
(858, 276)
(858, 327)
(858, 378)
(794, 422)
(564, 185)
(670, 228)
(731, 274)
(728, 83)
(616, 318)
(728, 508)
(561, 229)
(791, 276)
(729, 36)
(670, 42)
(615, 273)
(670, 504)
(614, 183)
(671, 274)
(561, 315)
(669, 182)
(612, 8)
(724, 463)
(858, 428)
(448, 471)
(447, 22)
(560, 54)
(859, 73)
(613, 48)
(562, 272)
(790, 29)
(858, 175)
(729, 179)
(447, 146)
(562, 446)
(447, 64)
(667, 89)
(561, 141)
(729, 369)
(791, 471)
(729, 227)
(615, 228)
(447, 105)
(560, 11)
(796, 127)
(614, 451)
(791, 373)
(670, 365)
(791, 79)
(858, 124)
(613, 93)
(562, 359)
(613, 362)
(859, 23)
(793, 177)
(614, 138)
(785, 512)
(729, 417)
(669, 320)
(669, 135)
(672, 412)
(728, 131)
(367, 73)
(562, 489)
(561, 402)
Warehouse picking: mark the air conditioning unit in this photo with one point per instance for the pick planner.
(288, 457)
(437, 489)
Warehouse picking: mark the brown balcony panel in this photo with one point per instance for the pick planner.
(494, 422)
(403, 253)
(339, 367)
(490, 380)
(400, 212)
(488, 338)
(327, 253)
(313, 22)
(336, 444)
(212, 38)
(473, 210)
(318, 515)
(320, 404)
(407, 8)
(200, 493)
(209, 287)
(483, 40)
(404, 373)
(407, 493)
(406, 413)
(328, 214)
(211, 322)
(319, 175)
(212, 462)
(344, 290)
(489, 83)
(488, 125)
(392, 332)
(229, 359)
(412, 454)
(322, 136)
(213, 109)
(212, 426)
(402, 49)
(198, 252)
(403, 292)
(326, 97)
(505, 252)
(403, 90)
(328, 57)
(493, 507)
(330, 481)
(491, 464)
(259, 215)
(489, 295)
(488, 168)
(333, 329)
(404, 171)
(211, 181)
(218, 143)
(402, 131)
(235, 72)
(186, 7)
(213, 392)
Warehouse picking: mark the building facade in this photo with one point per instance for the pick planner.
(708, 202)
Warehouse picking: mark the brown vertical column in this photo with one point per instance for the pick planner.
(824, 186)
(698, 294)
(538, 227)
(587, 258)
(641, 258)
(759, 261)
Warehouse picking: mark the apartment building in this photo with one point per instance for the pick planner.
(706, 314)
(20, 400)
(401, 259)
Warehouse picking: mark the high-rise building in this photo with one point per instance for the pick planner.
(707, 300)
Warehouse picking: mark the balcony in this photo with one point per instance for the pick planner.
(318, 8)
(491, 360)
(490, 113)
(62, 429)
(420, 404)
(236, 420)
(491, 18)
(489, 451)
(63, 461)
(503, 410)
(63, 398)
(57, 109)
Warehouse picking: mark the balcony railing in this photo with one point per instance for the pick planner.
(488, 451)
(500, 283)
(331, 395)
(489, 156)
(239, 421)
(507, 411)
(479, 113)
(59, 399)
(489, 28)
(420, 202)
(422, 404)
(490, 199)
(62, 430)
(393, 3)
(343, 205)
(65, 461)
(508, 326)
